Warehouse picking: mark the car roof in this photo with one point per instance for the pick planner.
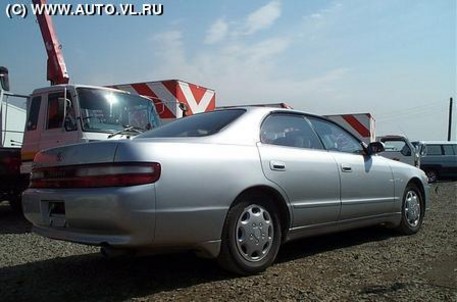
(269, 109)
(436, 142)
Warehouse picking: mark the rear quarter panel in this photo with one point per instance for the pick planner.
(198, 183)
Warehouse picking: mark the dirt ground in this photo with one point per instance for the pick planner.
(373, 264)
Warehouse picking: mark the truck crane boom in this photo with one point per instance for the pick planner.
(56, 68)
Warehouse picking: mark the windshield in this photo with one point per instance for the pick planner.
(202, 124)
(111, 111)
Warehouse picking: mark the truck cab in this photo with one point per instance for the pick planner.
(68, 114)
(398, 147)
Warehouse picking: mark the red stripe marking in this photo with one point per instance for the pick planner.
(197, 92)
(174, 88)
(358, 126)
(145, 90)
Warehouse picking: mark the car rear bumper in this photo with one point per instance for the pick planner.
(120, 217)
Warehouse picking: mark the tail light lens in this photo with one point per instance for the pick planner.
(96, 175)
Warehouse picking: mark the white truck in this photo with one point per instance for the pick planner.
(12, 120)
(67, 114)
(363, 126)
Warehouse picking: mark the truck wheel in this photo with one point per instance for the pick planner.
(412, 212)
(251, 236)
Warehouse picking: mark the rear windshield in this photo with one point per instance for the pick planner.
(202, 124)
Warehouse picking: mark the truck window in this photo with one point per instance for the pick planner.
(109, 111)
(32, 120)
(55, 110)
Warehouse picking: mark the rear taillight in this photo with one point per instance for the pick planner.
(95, 175)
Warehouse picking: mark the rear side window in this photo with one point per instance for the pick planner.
(291, 130)
(448, 150)
(197, 125)
(434, 150)
(32, 120)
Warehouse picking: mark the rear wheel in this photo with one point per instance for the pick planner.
(413, 210)
(251, 236)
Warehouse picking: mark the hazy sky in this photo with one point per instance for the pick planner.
(394, 59)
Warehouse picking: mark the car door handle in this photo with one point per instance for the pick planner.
(277, 165)
(346, 168)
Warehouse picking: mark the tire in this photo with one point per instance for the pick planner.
(251, 236)
(412, 212)
(432, 175)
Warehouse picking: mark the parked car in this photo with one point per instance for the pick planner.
(438, 159)
(231, 184)
(398, 147)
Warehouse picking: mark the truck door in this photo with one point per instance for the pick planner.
(293, 157)
(32, 133)
(54, 133)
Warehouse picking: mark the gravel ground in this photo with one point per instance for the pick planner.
(364, 265)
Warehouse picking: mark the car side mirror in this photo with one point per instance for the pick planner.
(375, 147)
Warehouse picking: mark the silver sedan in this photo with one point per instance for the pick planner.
(231, 184)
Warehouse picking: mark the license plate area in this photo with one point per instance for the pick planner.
(55, 213)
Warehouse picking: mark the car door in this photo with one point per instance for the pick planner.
(367, 183)
(293, 157)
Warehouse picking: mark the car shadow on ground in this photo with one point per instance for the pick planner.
(324, 243)
(12, 222)
(91, 277)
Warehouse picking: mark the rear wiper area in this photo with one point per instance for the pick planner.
(127, 131)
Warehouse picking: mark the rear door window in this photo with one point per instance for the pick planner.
(291, 130)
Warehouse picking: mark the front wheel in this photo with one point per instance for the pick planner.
(413, 210)
(251, 236)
